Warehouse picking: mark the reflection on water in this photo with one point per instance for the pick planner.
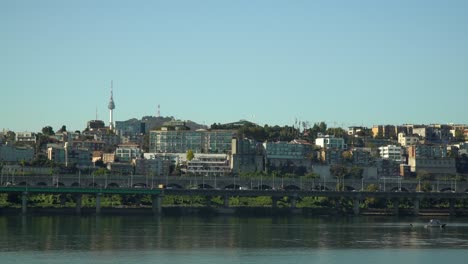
(126, 233)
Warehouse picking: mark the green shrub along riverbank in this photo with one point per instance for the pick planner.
(132, 201)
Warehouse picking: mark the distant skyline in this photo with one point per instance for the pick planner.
(271, 62)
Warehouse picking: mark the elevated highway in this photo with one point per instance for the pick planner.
(384, 184)
(276, 194)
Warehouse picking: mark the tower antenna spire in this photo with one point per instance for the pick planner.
(111, 107)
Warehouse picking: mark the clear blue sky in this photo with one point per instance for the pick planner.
(342, 62)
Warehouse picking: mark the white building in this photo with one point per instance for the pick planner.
(128, 152)
(391, 152)
(404, 140)
(175, 158)
(26, 137)
(209, 164)
(330, 142)
(354, 130)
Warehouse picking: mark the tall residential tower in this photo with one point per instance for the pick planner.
(111, 109)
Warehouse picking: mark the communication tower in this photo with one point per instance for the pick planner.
(111, 107)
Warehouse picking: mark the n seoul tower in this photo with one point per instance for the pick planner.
(111, 107)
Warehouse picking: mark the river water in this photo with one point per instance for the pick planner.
(229, 239)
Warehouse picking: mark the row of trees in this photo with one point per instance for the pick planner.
(279, 133)
(337, 204)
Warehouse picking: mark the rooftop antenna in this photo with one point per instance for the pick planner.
(159, 111)
(96, 114)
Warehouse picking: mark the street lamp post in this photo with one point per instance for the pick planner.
(273, 181)
(13, 177)
(282, 181)
(261, 182)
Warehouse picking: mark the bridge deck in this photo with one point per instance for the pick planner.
(309, 193)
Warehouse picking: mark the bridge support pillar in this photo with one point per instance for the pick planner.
(337, 204)
(416, 206)
(63, 199)
(78, 203)
(98, 203)
(24, 203)
(156, 204)
(396, 205)
(208, 201)
(356, 203)
(452, 207)
(226, 201)
(274, 202)
(293, 200)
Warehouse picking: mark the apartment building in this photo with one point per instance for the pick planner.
(156, 166)
(384, 131)
(246, 156)
(178, 139)
(434, 133)
(391, 152)
(431, 158)
(109, 139)
(128, 152)
(92, 145)
(70, 156)
(331, 156)
(330, 142)
(209, 165)
(405, 140)
(11, 154)
(25, 137)
(287, 150)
